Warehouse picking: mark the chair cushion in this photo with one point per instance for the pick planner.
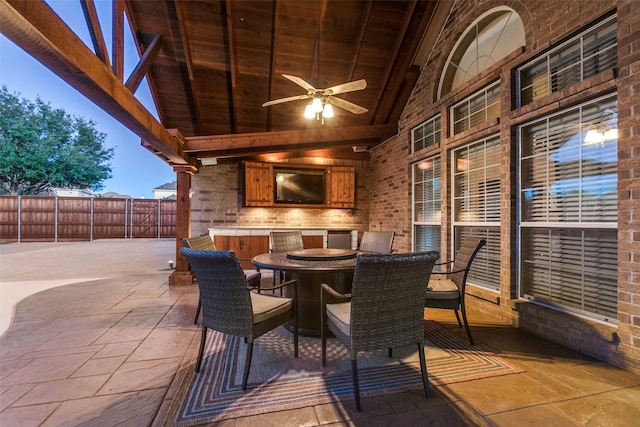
(340, 315)
(266, 306)
(442, 289)
(253, 277)
(251, 274)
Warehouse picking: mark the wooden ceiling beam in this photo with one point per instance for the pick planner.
(233, 113)
(184, 39)
(378, 116)
(291, 151)
(389, 106)
(272, 61)
(144, 65)
(364, 23)
(117, 38)
(320, 14)
(36, 29)
(95, 30)
(341, 153)
(286, 140)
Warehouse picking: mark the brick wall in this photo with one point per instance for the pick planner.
(390, 209)
(629, 179)
(217, 202)
(546, 23)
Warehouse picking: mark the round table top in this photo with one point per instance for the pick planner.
(322, 254)
(317, 259)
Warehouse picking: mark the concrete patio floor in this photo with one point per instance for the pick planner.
(98, 338)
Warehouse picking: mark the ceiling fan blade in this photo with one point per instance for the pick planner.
(346, 105)
(300, 82)
(281, 100)
(346, 87)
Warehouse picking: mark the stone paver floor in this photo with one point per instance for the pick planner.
(104, 341)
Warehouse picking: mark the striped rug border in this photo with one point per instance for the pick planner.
(213, 395)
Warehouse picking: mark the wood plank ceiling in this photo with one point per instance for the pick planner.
(219, 61)
(212, 64)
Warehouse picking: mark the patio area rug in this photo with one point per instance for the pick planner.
(278, 381)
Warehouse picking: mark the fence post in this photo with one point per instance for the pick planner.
(91, 220)
(131, 219)
(19, 219)
(55, 233)
(126, 217)
(159, 218)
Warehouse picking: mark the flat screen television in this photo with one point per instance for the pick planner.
(299, 187)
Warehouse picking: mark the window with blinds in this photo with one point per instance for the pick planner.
(481, 107)
(589, 53)
(476, 206)
(568, 209)
(425, 134)
(427, 204)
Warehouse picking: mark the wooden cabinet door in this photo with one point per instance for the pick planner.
(313, 241)
(341, 186)
(245, 247)
(258, 184)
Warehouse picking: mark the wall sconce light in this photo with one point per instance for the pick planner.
(209, 161)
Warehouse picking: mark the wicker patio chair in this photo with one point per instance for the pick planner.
(384, 310)
(206, 243)
(229, 306)
(377, 242)
(448, 293)
(282, 242)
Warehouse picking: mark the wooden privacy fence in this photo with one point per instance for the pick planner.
(46, 219)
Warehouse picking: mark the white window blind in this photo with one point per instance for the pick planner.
(565, 177)
(571, 268)
(476, 206)
(427, 204)
(587, 54)
(481, 107)
(485, 270)
(426, 134)
(568, 209)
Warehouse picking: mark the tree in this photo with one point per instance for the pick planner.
(42, 147)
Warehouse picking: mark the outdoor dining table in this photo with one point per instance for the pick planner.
(312, 267)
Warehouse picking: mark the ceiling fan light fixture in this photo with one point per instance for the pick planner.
(317, 105)
(322, 97)
(328, 111)
(308, 112)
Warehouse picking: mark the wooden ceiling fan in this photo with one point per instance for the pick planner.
(326, 96)
(321, 98)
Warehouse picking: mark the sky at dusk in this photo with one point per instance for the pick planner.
(135, 170)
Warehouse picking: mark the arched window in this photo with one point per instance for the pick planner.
(490, 38)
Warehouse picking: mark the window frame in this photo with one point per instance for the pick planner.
(485, 272)
(547, 59)
(436, 223)
(562, 233)
(435, 135)
(488, 104)
(499, 48)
